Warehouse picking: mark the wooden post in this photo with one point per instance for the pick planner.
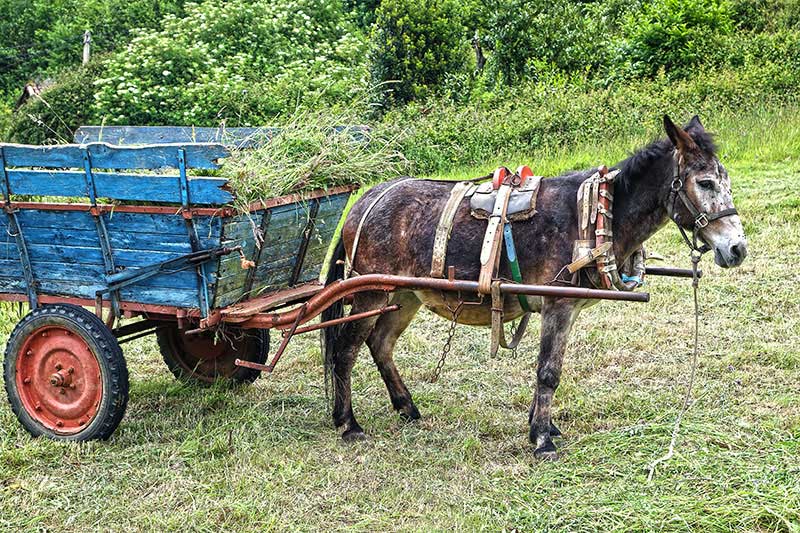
(87, 40)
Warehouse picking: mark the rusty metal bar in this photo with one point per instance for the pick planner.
(671, 272)
(388, 283)
(284, 343)
(345, 319)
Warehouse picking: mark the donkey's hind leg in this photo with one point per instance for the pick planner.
(348, 343)
(381, 343)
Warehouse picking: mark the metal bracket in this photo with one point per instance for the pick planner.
(301, 253)
(194, 240)
(13, 225)
(251, 274)
(102, 231)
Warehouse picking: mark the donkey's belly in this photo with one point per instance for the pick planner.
(475, 315)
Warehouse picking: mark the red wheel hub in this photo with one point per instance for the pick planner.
(59, 379)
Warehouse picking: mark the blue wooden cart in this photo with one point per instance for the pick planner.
(128, 231)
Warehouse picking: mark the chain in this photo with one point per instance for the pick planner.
(448, 343)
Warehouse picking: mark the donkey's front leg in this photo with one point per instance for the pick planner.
(557, 318)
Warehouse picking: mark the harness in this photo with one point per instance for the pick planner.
(701, 218)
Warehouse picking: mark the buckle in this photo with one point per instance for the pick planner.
(701, 221)
(677, 184)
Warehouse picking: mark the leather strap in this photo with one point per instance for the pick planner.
(490, 251)
(445, 227)
(498, 334)
(349, 261)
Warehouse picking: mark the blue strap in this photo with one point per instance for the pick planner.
(516, 274)
(637, 279)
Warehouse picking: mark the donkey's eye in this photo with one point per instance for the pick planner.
(706, 184)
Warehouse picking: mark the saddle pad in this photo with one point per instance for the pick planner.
(521, 206)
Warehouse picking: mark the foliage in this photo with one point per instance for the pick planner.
(529, 37)
(674, 35)
(415, 45)
(225, 58)
(560, 111)
(311, 152)
(38, 37)
(58, 112)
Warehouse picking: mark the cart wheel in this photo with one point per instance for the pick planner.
(65, 375)
(206, 358)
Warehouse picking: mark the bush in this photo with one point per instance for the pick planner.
(675, 36)
(58, 112)
(225, 58)
(415, 45)
(38, 37)
(531, 37)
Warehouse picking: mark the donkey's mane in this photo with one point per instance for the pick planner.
(638, 165)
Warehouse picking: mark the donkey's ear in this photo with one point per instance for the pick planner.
(695, 125)
(680, 139)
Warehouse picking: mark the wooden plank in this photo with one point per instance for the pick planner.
(131, 135)
(238, 137)
(198, 155)
(146, 295)
(94, 274)
(118, 186)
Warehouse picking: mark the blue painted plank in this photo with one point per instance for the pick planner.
(102, 155)
(238, 137)
(94, 274)
(131, 135)
(119, 186)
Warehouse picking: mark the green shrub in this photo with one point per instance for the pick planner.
(38, 37)
(674, 36)
(415, 45)
(54, 116)
(237, 61)
(532, 37)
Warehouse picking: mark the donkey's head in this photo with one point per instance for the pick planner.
(700, 199)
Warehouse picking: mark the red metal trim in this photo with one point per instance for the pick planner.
(133, 307)
(299, 197)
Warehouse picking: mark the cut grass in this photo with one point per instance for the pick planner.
(266, 458)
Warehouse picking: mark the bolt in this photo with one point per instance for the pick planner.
(70, 370)
(29, 353)
(26, 381)
(59, 423)
(71, 385)
(58, 366)
(62, 390)
(83, 422)
(69, 333)
(38, 407)
(45, 334)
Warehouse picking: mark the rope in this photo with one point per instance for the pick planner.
(688, 395)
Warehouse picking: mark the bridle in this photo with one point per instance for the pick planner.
(701, 218)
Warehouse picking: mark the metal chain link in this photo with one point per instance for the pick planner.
(448, 343)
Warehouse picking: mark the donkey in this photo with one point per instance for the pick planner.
(397, 238)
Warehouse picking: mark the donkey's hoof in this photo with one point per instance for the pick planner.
(546, 452)
(354, 435)
(410, 413)
(554, 431)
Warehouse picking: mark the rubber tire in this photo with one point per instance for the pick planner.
(241, 376)
(103, 344)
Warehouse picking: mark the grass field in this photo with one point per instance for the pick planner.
(266, 457)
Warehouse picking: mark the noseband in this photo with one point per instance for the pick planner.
(701, 218)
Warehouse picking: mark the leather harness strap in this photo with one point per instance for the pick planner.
(445, 227)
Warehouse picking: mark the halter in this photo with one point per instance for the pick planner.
(701, 218)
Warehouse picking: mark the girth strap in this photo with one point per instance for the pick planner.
(445, 227)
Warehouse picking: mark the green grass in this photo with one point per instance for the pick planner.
(266, 458)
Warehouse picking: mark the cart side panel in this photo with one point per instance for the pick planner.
(67, 260)
(283, 248)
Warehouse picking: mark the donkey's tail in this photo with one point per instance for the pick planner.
(329, 335)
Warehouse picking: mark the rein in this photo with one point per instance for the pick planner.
(701, 220)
